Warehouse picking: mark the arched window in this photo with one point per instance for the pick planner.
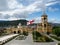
(44, 25)
(44, 18)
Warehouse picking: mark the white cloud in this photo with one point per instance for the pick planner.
(13, 4)
(51, 3)
(18, 10)
(37, 20)
(54, 20)
(52, 9)
(3, 5)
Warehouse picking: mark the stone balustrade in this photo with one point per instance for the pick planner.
(4, 39)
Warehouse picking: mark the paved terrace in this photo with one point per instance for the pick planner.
(29, 41)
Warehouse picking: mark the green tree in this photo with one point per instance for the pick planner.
(56, 30)
(36, 35)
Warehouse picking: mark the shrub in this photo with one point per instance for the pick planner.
(36, 35)
(25, 33)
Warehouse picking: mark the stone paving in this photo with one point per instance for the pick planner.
(28, 41)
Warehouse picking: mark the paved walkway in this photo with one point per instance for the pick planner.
(28, 41)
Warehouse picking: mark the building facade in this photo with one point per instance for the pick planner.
(44, 26)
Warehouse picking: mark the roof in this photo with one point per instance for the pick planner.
(44, 15)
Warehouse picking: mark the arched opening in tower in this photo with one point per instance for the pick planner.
(44, 25)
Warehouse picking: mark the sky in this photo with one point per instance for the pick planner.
(30, 10)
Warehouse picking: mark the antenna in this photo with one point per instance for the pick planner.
(43, 7)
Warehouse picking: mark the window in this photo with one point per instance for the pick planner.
(44, 25)
(44, 18)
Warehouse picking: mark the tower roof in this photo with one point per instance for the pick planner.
(44, 15)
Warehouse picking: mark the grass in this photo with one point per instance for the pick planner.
(43, 39)
(22, 37)
(37, 37)
(58, 43)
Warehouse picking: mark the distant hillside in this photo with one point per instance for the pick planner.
(13, 23)
(55, 24)
(22, 21)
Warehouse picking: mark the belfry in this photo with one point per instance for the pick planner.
(46, 27)
(44, 22)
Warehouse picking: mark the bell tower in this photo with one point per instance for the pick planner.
(45, 26)
(44, 22)
(44, 19)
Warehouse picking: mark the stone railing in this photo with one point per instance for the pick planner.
(5, 39)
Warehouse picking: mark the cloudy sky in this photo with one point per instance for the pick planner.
(29, 9)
